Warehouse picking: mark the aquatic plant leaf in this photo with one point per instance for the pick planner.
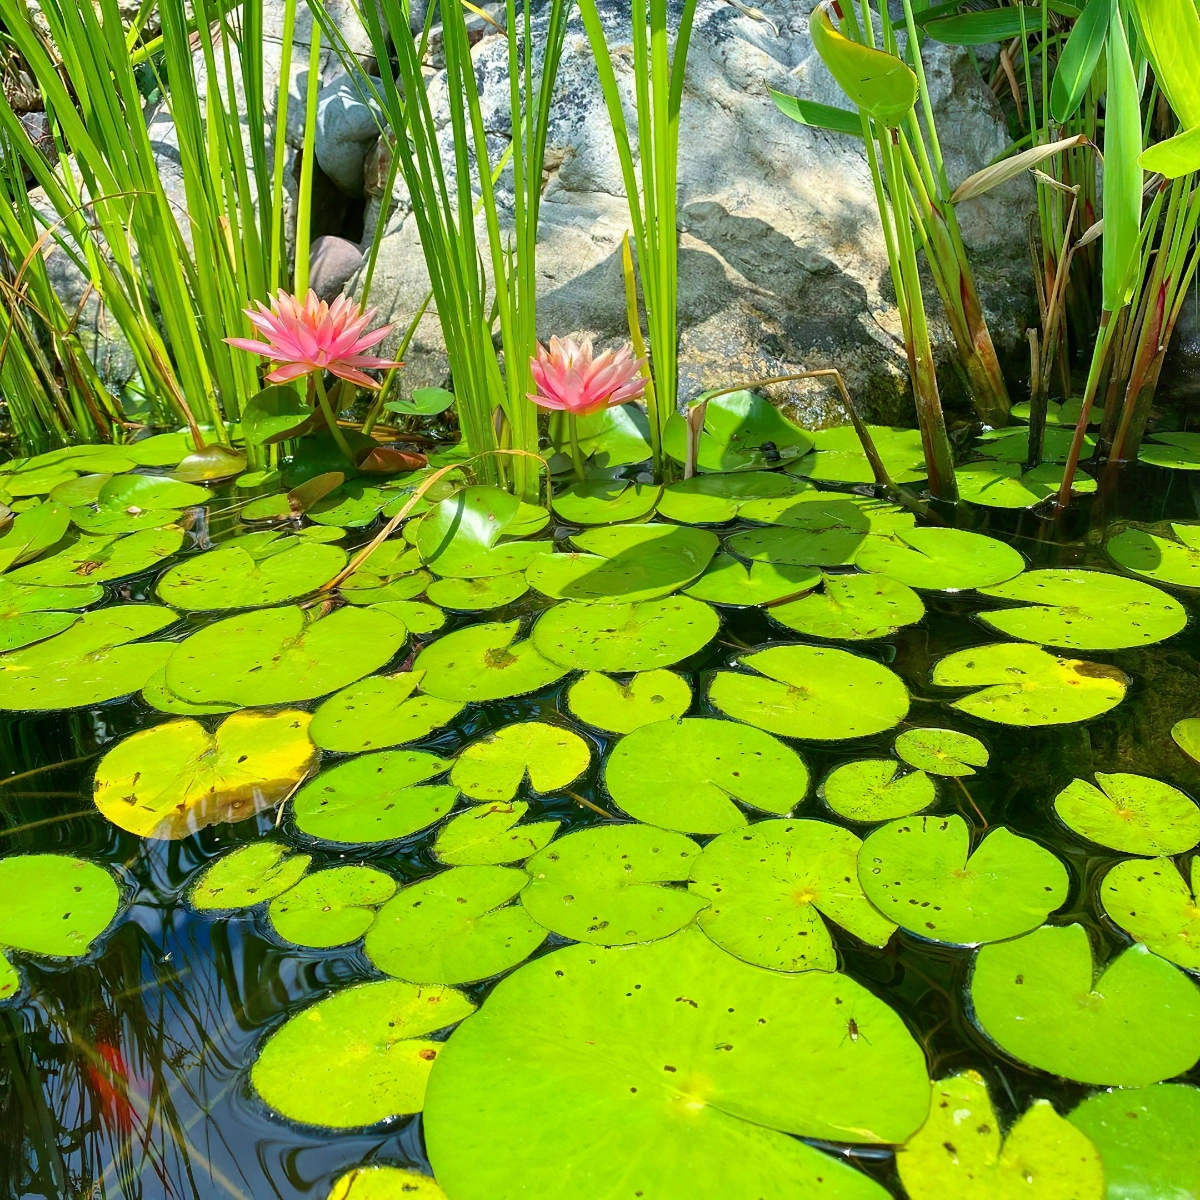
(272, 508)
(1085, 610)
(921, 872)
(484, 662)
(332, 907)
(1022, 684)
(477, 595)
(381, 711)
(488, 834)
(101, 559)
(592, 1047)
(374, 798)
(715, 499)
(833, 508)
(212, 464)
(838, 456)
(82, 490)
(942, 751)
(280, 655)
(731, 582)
(123, 493)
(606, 501)
(623, 707)
(102, 522)
(171, 780)
(852, 607)
(958, 1151)
(1175, 451)
(10, 980)
(35, 481)
(768, 888)
(495, 766)
(614, 437)
(1186, 734)
(250, 875)
(1040, 998)
(625, 637)
(940, 560)
(880, 84)
(351, 505)
(1012, 445)
(1007, 485)
(321, 533)
(32, 533)
(273, 412)
(601, 885)
(812, 692)
(869, 789)
(378, 1181)
(818, 533)
(1132, 813)
(365, 587)
(415, 615)
(423, 402)
(742, 432)
(685, 775)
(454, 927)
(456, 536)
(1162, 559)
(357, 1057)
(160, 449)
(91, 662)
(1066, 413)
(31, 614)
(1153, 903)
(54, 904)
(156, 694)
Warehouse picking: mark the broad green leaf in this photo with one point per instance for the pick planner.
(1078, 59)
(1132, 813)
(1069, 411)
(54, 904)
(942, 751)
(478, 595)
(852, 607)
(131, 494)
(1006, 485)
(82, 490)
(869, 789)
(1122, 197)
(31, 614)
(352, 505)
(982, 27)
(249, 875)
(617, 707)
(605, 501)
(1153, 903)
(488, 834)
(614, 437)
(1175, 451)
(212, 464)
(1175, 157)
(380, 1182)
(456, 536)
(156, 694)
(495, 766)
(742, 432)
(838, 456)
(940, 560)
(1187, 736)
(33, 532)
(484, 662)
(272, 412)
(812, 509)
(332, 907)
(382, 711)
(819, 116)
(101, 559)
(1169, 33)
(715, 499)
(424, 402)
(161, 449)
(731, 582)
(1165, 560)
(415, 615)
(817, 533)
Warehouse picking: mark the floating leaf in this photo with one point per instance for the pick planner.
(812, 692)
(159, 450)
(870, 790)
(917, 871)
(156, 693)
(838, 455)
(729, 581)
(495, 766)
(940, 560)
(742, 432)
(685, 775)
(623, 707)
(378, 1181)
(210, 465)
(816, 509)
(601, 885)
(415, 615)
(1187, 736)
(1007, 485)
(488, 834)
(484, 662)
(476, 595)
(1040, 999)
(32, 533)
(357, 1057)
(1131, 813)
(1164, 560)
(1153, 903)
(32, 614)
(1012, 445)
(818, 533)
(605, 501)
(1175, 451)
(424, 402)
(852, 607)
(613, 437)
(101, 559)
(455, 927)
(379, 712)
(942, 751)
(332, 907)
(274, 411)
(715, 499)
(54, 904)
(10, 981)
(130, 494)
(250, 875)
(458, 537)
(768, 888)
(80, 491)
(352, 505)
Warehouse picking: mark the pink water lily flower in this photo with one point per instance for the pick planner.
(569, 380)
(310, 335)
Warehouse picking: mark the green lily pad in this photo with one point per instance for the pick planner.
(1085, 610)
(160, 449)
(1153, 903)
(379, 1181)
(352, 505)
(250, 875)
(592, 1048)
(921, 872)
(812, 692)
(32, 533)
(940, 560)
(458, 537)
(1022, 684)
(495, 766)
(606, 501)
(1012, 445)
(1186, 734)
(104, 523)
(93, 661)
(819, 533)
(1164, 560)
(730, 581)
(838, 456)
(125, 492)
(869, 789)
(280, 655)
(101, 559)
(374, 798)
(613, 437)
(1040, 999)
(1175, 451)
(54, 904)
(484, 662)
(623, 707)
(1132, 813)
(854, 512)
(415, 615)
(621, 638)
(476, 595)
(852, 607)
(958, 1152)
(715, 499)
(685, 775)
(455, 927)
(382, 711)
(321, 533)
(1006, 485)
(1066, 413)
(488, 834)
(601, 885)
(332, 907)
(32, 614)
(171, 780)
(942, 751)
(10, 979)
(1149, 1140)
(156, 694)
(768, 888)
(39, 481)
(364, 587)
(357, 1057)
(742, 432)
(273, 508)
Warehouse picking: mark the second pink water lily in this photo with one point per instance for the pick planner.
(570, 380)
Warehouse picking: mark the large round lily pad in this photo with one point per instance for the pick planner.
(768, 887)
(714, 499)
(381, 711)
(730, 581)
(812, 692)
(1186, 735)
(357, 1057)
(331, 907)
(673, 1069)
(1133, 813)
(870, 789)
(249, 875)
(819, 533)
(601, 884)
(378, 1181)
(921, 872)
(741, 432)
(455, 927)
(1175, 451)
(101, 559)
(484, 662)
(997, 484)
(605, 501)
(478, 595)
(489, 835)
(623, 707)
(32, 614)
(942, 751)
(1153, 903)
(1165, 560)
(495, 766)
(685, 775)
(838, 455)
(54, 904)
(852, 607)
(940, 560)
(1040, 998)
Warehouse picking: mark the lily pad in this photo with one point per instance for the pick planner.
(590, 1048)
(101, 559)
(685, 775)
(606, 501)
(940, 560)
(156, 694)
(853, 608)
(382, 711)
(1132, 813)
(252, 874)
(819, 533)
(32, 533)
(768, 888)
(458, 537)
(32, 614)
(359, 1056)
(715, 499)
(10, 980)
(621, 638)
(352, 505)
(838, 456)
(1153, 903)
(455, 927)
(415, 615)
(601, 885)
(495, 766)
(1025, 685)
(921, 872)
(942, 751)
(124, 493)
(812, 692)
(374, 798)
(160, 449)
(1040, 999)
(1012, 445)
(869, 789)
(1066, 413)
(488, 834)
(742, 432)
(1164, 560)
(332, 907)
(378, 1181)
(1175, 451)
(484, 662)
(53, 904)
(623, 707)
(476, 595)
(1186, 734)
(855, 512)
(1005, 485)
(731, 582)
(613, 437)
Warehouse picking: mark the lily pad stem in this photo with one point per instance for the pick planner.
(330, 420)
(576, 453)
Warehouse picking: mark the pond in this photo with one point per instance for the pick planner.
(673, 789)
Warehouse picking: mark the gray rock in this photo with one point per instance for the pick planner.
(1180, 379)
(332, 262)
(348, 122)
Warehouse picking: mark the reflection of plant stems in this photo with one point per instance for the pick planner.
(330, 420)
(70, 762)
(576, 453)
(971, 801)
